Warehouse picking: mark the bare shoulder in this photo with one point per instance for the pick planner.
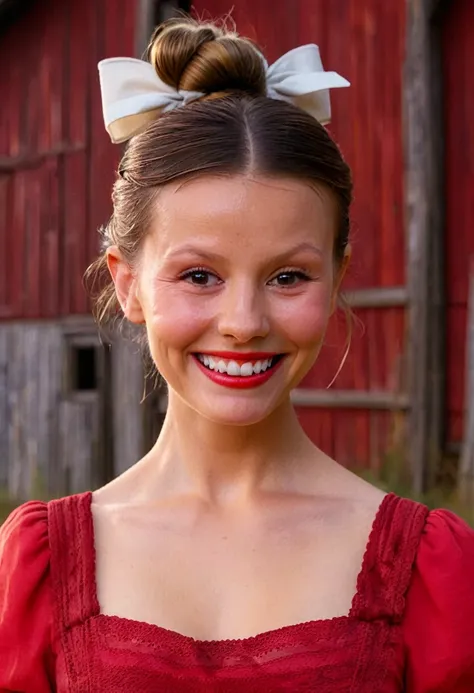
(124, 489)
(350, 500)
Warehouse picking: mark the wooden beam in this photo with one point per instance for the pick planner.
(378, 297)
(416, 167)
(78, 324)
(466, 466)
(9, 164)
(350, 399)
(143, 25)
(424, 238)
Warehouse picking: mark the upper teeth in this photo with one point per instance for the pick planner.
(233, 368)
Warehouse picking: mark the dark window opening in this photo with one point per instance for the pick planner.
(84, 368)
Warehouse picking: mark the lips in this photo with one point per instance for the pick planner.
(237, 369)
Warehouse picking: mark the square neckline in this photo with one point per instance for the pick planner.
(149, 630)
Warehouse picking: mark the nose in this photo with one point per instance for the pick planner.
(243, 314)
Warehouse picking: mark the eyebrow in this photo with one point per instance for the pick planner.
(190, 249)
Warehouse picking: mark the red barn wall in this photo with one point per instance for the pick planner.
(56, 163)
(56, 171)
(458, 60)
(364, 40)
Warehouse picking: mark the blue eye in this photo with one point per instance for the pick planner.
(200, 277)
(289, 279)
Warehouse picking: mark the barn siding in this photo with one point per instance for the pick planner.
(458, 59)
(51, 439)
(30, 358)
(56, 161)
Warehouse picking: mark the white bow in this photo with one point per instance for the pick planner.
(133, 95)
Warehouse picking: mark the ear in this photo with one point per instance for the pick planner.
(125, 285)
(339, 276)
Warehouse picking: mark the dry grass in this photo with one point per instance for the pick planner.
(7, 505)
(392, 477)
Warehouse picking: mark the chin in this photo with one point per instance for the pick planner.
(234, 411)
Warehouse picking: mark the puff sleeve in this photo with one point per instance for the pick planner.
(439, 616)
(26, 617)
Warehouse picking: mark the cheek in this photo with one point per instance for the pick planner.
(174, 319)
(304, 319)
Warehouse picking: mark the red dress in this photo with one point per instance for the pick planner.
(411, 626)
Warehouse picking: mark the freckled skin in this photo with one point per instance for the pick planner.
(250, 229)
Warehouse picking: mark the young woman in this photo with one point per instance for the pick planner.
(236, 556)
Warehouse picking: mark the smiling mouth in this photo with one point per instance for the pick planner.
(238, 368)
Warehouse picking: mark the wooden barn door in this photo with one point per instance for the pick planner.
(458, 64)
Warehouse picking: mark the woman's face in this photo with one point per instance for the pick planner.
(235, 283)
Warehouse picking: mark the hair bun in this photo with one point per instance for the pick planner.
(203, 57)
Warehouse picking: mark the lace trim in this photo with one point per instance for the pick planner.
(388, 561)
(72, 561)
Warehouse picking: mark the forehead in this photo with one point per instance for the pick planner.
(244, 210)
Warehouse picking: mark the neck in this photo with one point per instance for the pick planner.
(219, 462)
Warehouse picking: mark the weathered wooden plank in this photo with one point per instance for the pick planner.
(16, 480)
(30, 410)
(50, 232)
(32, 250)
(78, 28)
(144, 20)
(9, 164)
(15, 102)
(378, 297)
(50, 387)
(127, 390)
(4, 407)
(74, 214)
(79, 433)
(78, 324)
(466, 466)
(350, 399)
(5, 201)
(17, 234)
(422, 194)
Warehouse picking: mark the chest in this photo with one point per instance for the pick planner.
(224, 580)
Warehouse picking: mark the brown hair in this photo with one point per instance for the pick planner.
(235, 128)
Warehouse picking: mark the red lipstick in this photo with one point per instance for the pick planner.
(241, 355)
(236, 381)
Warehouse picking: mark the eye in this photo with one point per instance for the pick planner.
(289, 278)
(200, 277)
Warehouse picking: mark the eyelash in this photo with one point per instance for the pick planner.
(301, 275)
(196, 270)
